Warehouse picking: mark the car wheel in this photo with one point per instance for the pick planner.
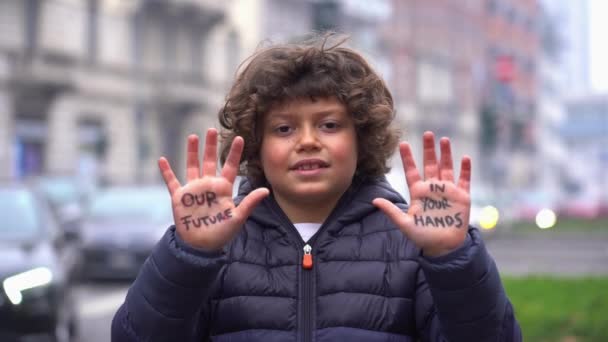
(74, 331)
(62, 332)
(66, 331)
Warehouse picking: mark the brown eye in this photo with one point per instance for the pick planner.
(283, 129)
(330, 126)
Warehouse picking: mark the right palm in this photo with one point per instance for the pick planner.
(203, 209)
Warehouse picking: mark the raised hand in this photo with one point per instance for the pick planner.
(204, 212)
(438, 217)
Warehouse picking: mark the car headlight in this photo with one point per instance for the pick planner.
(14, 285)
(546, 218)
(489, 217)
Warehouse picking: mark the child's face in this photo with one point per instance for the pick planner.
(309, 151)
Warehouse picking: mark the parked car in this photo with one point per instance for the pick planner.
(67, 196)
(120, 228)
(36, 264)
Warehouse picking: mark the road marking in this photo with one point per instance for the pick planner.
(103, 305)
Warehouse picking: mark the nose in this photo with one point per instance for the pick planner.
(308, 139)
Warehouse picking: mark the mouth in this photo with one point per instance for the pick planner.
(309, 164)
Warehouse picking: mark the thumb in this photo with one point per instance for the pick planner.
(250, 201)
(396, 214)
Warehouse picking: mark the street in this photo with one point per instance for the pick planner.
(97, 303)
(514, 255)
(561, 255)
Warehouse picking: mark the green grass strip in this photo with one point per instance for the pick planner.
(560, 309)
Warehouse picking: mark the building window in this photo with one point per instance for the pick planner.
(233, 53)
(434, 83)
(492, 6)
(136, 37)
(325, 15)
(196, 50)
(153, 55)
(92, 37)
(170, 35)
(32, 16)
(511, 15)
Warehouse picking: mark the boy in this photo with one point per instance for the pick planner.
(317, 246)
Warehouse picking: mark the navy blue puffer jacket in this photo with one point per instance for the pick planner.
(368, 283)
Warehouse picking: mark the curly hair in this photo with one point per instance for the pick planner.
(310, 69)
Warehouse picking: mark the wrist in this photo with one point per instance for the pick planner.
(462, 268)
(194, 248)
(435, 251)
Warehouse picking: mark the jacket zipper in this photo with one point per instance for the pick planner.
(307, 280)
(306, 320)
(307, 258)
(307, 293)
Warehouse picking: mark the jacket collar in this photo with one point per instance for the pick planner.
(354, 204)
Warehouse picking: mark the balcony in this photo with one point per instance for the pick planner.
(207, 5)
(176, 90)
(195, 7)
(43, 71)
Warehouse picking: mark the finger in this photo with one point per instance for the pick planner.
(429, 157)
(464, 181)
(446, 166)
(210, 157)
(409, 165)
(231, 167)
(192, 162)
(168, 175)
(401, 219)
(250, 201)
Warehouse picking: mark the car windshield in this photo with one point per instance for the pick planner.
(20, 217)
(60, 191)
(137, 204)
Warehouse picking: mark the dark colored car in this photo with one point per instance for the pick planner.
(36, 265)
(120, 228)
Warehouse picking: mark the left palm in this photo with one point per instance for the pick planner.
(438, 217)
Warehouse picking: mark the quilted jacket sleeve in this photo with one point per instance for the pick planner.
(166, 301)
(460, 297)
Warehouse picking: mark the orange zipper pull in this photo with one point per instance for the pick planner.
(307, 260)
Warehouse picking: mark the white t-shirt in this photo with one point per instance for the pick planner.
(307, 230)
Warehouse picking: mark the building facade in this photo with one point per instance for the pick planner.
(126, 81)
(585, 133)
(572, 23)
(105, 87)
(509, 107)
(468, 70)
(436, 52)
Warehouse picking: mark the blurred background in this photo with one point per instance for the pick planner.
(93, 92)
